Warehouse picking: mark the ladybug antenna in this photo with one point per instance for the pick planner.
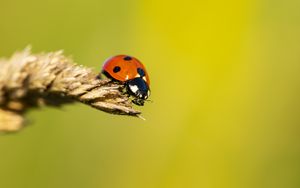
(148, 100)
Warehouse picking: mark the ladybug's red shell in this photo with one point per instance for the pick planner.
(124, 68)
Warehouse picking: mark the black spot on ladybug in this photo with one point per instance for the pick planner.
(141, 72)
(127, 58)
(116, 69)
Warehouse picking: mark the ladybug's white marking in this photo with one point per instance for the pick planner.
(133, 88)
(144, 78)
(126, 77)
(137, 75)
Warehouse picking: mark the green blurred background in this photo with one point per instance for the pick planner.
(225, 88)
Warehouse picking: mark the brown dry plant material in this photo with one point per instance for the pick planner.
(33, 80)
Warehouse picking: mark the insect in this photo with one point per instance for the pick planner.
(130, 71)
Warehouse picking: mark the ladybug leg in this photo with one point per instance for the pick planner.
(125, 90)
(99, 77)
(139, 102)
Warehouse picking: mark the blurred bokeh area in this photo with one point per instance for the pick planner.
(225, 82)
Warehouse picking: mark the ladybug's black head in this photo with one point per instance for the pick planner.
(139, 89)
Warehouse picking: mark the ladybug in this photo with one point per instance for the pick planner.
(132, 73)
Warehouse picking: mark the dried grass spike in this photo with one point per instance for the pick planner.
(31, 80)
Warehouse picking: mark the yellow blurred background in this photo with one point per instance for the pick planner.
(225, 88)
